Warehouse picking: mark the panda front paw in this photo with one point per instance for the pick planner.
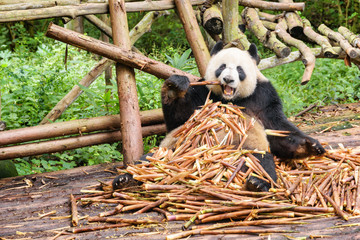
(125, 180)
(177, 85)
(309, 147)
(257, 185)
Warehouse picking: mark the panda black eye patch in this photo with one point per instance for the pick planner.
(241, 72)
(219, 70)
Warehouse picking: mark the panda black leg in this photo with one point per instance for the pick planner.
(126, 179)
(257, 184)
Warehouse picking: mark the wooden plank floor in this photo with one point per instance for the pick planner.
(22, 205)
(21, 208)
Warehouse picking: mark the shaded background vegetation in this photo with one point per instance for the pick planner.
(34, 78)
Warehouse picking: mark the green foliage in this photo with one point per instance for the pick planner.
(331, 83)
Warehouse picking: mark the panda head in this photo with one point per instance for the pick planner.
(235, 69)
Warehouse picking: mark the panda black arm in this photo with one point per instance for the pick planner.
(179, 100)
(265, 103)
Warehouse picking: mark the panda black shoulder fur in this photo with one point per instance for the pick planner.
(256, 140)
(241, 84)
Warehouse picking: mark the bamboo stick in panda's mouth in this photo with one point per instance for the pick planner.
(205, 83)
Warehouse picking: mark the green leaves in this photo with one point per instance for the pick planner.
(182, 62)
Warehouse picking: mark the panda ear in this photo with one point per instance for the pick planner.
(254, 53)
(217, 48)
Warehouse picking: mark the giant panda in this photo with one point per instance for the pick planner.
(242, 84)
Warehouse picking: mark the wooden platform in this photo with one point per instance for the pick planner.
(22, 203)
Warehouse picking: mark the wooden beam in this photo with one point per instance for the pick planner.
(60, 145)
(130, 123)
(85, 9)
(275, 6)
(80, 126)
(130, 58)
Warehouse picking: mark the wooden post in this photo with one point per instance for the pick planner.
(108, 71)
(130, 123)
(193, 34)
(231, 33)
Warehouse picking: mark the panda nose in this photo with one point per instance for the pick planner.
(228, 79)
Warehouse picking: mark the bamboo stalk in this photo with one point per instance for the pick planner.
(74, 211)
(97, 228)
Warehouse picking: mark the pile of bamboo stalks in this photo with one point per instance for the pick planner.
(204, 153)
(200, 182)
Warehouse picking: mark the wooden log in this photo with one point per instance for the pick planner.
(108, 72)
(130, 123)
(273, 5)
(319, 39)
(102, 26)
(232, 33)
(75, 92)
(85, 9)
(212, 20)
(72, 143)
(293, 20)
(307, 57)
(353, 39)
(61, 129)
(117, 54)
(193, 34)
(32, 5)
(265, 36)
(296, 56)
(344, 44)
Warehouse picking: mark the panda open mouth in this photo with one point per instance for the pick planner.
(227, 90)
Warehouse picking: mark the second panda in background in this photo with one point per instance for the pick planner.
(242, 84)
